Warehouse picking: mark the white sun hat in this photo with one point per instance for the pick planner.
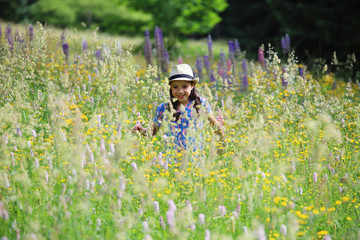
(182, 72)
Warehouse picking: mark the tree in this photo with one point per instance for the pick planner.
(182, 17)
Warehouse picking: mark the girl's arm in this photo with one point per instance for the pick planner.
(144, 131)
(220, 130)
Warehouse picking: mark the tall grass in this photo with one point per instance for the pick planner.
(71, 169)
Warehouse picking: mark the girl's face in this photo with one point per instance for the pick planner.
(181, 90)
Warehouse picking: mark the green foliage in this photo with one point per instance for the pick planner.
(55, 12)
(106, 14)
(183, 17)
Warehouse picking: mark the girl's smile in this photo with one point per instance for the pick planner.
(181, 90)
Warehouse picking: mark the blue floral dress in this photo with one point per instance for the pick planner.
(188, 120)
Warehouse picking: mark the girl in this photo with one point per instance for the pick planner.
(187, 105)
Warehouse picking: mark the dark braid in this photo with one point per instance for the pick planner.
(192, 97)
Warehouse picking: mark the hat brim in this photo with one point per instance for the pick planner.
(196, 80)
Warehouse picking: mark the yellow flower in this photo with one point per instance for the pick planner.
(322, 232)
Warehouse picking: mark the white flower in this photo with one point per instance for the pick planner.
(283, 229)
(156, 207)
(134, 166)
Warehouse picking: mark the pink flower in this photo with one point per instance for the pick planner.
(222, 210)
(315, 177)
(170, 217)
(188, 205)
(207, 234)
(202, 218)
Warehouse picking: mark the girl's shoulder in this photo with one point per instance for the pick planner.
(203, 100)
(205, 104)
(162, 106)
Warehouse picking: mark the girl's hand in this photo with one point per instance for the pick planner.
(138, 127)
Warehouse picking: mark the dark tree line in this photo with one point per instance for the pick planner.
(317, 28)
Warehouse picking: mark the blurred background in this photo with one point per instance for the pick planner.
(316, 28)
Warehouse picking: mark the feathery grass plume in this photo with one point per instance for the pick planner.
(283, 76)
(210, 47)
(199, 67)
(148, 48)
(261, 57)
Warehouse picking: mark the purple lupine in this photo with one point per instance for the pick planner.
(8, 35)
(210, 46)
(165, 65)
(65, 48)
(98, 54)
(287, 42)
(283, 80)
(244, 80)
(84, 45)
(199, 67)
(148, 48)
(283, 45)
(301, 71)
(231, 50)
(31, 32)
(8, 31)
(237, 48)
(212, 78)
(0, 33)
(159, 46)
(261, 57)
(207, 64)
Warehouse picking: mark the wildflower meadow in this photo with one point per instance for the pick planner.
(70, 167)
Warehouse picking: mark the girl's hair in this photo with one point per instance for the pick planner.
(192, 97)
